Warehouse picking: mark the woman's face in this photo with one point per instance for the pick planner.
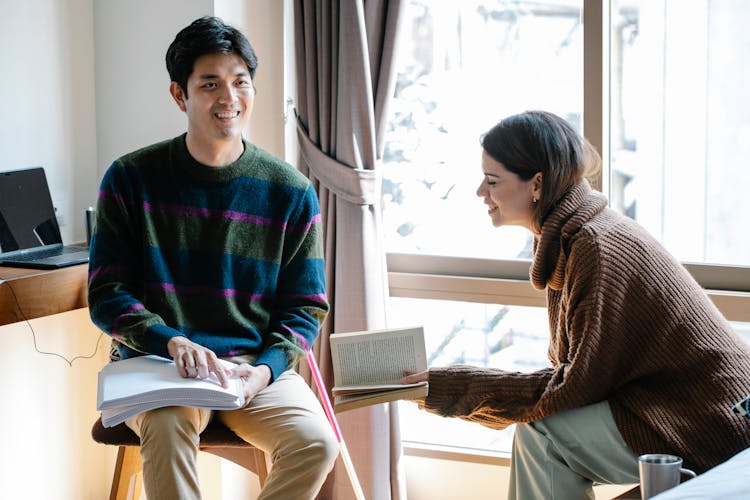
(510, 199)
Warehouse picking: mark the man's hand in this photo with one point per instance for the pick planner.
(195, 361)
(254, 379)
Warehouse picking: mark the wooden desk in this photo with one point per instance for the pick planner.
(41, 292)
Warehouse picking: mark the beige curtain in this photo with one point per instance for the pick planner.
(344, 63)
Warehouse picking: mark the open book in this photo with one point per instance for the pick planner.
(368, 365)
(132, 386)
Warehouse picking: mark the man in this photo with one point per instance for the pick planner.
(208, 247)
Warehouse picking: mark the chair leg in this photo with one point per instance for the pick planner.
(137, 486)
(127, 467)
(262, 466)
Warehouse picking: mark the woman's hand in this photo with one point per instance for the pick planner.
(415, 378)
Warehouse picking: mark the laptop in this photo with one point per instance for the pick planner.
(29, 233)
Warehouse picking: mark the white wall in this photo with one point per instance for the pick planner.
(47, 113)
(47, 451)
(133, 105)
(262, 23)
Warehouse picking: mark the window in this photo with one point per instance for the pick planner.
(462, 65)
(680, 124)
(673, 129)
(508, 337)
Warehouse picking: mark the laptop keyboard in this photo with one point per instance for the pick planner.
(43, 254)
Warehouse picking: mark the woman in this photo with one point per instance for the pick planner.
(642, 362)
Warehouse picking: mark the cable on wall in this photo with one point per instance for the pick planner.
(33, 333)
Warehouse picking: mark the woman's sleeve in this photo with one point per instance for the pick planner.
(589, 336)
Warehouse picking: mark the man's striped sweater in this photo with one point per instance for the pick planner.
(229, 257)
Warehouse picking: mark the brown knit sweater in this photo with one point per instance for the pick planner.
(629, 325)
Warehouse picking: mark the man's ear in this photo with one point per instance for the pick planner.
(178, 95)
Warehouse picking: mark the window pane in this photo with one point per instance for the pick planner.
(508, 337)
(680, 121)
(463, 65)
(743, 329)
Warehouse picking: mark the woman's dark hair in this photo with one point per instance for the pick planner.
(538, 141)
(207, 35)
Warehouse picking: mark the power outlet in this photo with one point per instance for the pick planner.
(60, 219)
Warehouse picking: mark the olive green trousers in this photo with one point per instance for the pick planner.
(560, 457)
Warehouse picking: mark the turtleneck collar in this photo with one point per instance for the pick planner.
(573, 210)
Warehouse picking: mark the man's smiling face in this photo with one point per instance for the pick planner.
(220, 96)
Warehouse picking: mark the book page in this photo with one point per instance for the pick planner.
(378, 357)
(349, 402)
(132, 386)
(148, 378)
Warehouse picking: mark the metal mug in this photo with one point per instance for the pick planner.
(659, 472)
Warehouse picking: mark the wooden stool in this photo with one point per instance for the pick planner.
(216, 439)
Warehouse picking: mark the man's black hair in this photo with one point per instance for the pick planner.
(207, 35)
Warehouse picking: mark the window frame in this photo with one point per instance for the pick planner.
(507, 282)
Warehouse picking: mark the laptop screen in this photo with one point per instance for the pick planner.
(27, 217)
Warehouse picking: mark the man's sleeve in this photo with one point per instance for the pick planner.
(115, 270)
(301, 290)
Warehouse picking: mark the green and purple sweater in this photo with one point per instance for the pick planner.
(229, 257)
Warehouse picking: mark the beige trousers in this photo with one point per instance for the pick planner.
(560, 457)
(285, 420)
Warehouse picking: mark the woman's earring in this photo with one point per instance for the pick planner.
(534, 200)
